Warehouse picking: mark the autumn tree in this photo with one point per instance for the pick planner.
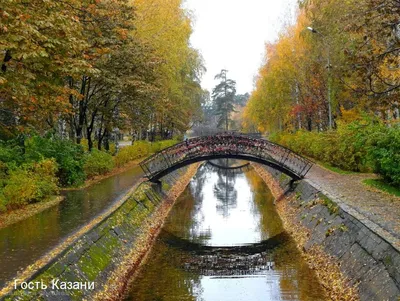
(296, 85)
(364, 45)
(84, 68)
(41, 43)
(166, 27)
(122, 66)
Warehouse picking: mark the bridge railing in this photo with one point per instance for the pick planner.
(226, 144)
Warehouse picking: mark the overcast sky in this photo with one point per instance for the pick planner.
(231, 34)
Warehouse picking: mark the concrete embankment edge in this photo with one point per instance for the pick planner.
(351, 245)
(87, 265)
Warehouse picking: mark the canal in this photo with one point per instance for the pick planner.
(224, 240)
(23, 243)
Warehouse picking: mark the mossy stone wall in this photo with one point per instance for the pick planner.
(368, 259)
(92, 257)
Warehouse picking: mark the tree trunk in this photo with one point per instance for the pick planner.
(7, 58)
(101, 133)
(309, 123)
(89, 138)
(71, 131)
(107, 140)
(89, 129)
(82, 111)
(100, 140)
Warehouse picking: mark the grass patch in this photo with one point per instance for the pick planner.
(333, 208)
(382, 186)
(335, 169)
(283, 177)
(165, 186)
(331, 167)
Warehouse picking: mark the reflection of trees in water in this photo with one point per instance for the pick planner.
(197, 183)
(182, 221)
(196, 189)
(163, 278)
(195, 232)
(269, 220)
(225, 192)
(295, 274)
(175, 273)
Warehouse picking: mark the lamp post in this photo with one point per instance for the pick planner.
(329, 75)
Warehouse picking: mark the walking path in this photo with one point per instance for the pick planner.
(381, 210)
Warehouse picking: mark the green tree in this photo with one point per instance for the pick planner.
(241, 99)
(223, 96)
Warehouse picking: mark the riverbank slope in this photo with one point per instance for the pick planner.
(95, 255)
(350, 253)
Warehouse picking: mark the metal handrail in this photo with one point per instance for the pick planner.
(231, 143)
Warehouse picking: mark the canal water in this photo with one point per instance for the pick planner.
(224, 240)
(23, 243)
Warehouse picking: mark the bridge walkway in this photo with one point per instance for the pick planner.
(226, 145)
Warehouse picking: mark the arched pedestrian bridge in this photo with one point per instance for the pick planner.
(226, 145)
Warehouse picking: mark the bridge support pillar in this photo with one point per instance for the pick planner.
(157, 186)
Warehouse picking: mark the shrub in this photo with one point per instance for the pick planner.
(31, 183)
(69, 157)
(85, 144)
(344, 148)
(97, 163)
(352, 142)
(385, 153)
(138, 150)
(363, 144)
(11, 152)
(155, 147)
(160, 145)
(3, 174)
(3, 203)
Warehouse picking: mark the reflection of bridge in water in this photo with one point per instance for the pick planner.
(248, 259)
(229, 170)
(225, 145)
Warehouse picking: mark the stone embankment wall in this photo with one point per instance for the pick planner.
(84, 269)
(368, 260)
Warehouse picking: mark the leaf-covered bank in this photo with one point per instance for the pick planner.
(14, 216)
(334, 282)
(98, 248)
(131, 263)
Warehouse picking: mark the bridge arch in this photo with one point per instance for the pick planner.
(231, 170)
(222, 146)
